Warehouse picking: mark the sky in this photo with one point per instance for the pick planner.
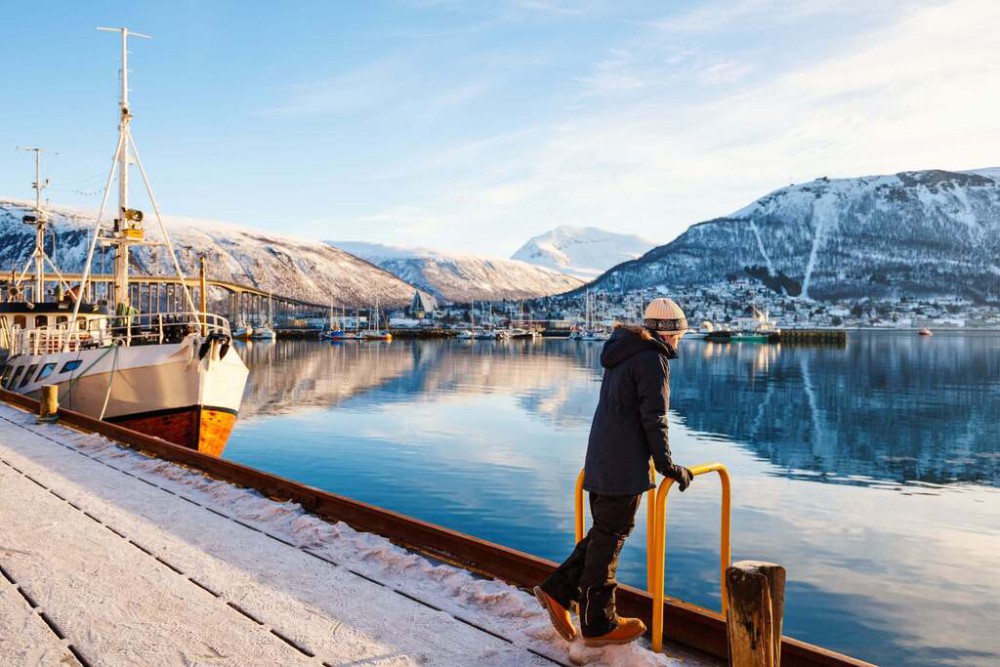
(472, 126)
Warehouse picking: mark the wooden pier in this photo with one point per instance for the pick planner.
(685, 624)
(836, 337)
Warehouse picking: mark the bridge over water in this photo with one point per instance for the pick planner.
(164, 293)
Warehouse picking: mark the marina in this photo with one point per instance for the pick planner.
(528, 345)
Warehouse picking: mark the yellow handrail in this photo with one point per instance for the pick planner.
(579, 525)
(658, 550)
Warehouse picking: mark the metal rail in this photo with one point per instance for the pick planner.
(690, 625)
(579, 523)
(656, 538)
(658, 553)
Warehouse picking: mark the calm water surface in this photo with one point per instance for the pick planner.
(871, 472)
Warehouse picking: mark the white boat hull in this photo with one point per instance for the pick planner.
(187, 392)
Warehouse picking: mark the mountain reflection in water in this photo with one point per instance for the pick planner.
(870, 471)
(889, 407)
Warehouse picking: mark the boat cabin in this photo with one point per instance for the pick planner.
(17, 317)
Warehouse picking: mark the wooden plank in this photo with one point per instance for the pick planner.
(684, 623)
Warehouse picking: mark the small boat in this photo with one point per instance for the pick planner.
(590, 332)
(594, 336)
(374, 332)
(335, 330)
(925, 332)
(263, 332)
(752, 326)
(243, 332)
(489, 334)
(519, 334)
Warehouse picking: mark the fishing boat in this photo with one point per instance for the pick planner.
(169, 374)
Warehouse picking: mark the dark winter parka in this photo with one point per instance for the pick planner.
(630, 424)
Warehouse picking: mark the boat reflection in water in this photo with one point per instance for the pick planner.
(846, 462)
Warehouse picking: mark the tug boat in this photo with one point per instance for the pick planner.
(169, 374)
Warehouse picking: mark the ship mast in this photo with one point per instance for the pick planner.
(127, 230)
(39, 220)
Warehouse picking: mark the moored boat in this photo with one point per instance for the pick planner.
(243, 332)
(168, 374)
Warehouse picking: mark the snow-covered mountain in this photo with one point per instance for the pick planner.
(584, 252)
(287, 266)
(460, 278)
(932, 233)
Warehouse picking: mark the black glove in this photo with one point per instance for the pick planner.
(681, 475)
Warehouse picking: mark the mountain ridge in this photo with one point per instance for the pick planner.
(913, 233)
(297, 268)
(460, 277)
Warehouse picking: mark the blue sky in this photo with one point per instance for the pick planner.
(472, 126)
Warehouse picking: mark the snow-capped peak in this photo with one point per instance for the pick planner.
(584, 252)
(460, 277)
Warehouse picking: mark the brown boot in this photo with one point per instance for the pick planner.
(628, 629)
(558, 614)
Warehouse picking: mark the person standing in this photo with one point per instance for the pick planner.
(629, 428)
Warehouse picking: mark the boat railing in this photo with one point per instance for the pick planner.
(57, 338)
(134, 329)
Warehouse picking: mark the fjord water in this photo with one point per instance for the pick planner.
(870, 472)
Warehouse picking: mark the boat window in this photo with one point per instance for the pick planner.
(62, 319)
(13, 379)
(20, 321)
(27, 375)
(46, 371)
(71, 366)
(81, 324)
(41, 320)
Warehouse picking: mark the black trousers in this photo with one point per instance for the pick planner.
(588, 575)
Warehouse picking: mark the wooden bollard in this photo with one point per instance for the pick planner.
(48, 406)
(756, 595)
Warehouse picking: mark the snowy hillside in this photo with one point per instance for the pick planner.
(297, 268)
(459, 278)
(584, 252)
(931, 233)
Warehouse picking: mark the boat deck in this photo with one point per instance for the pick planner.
(112, 557)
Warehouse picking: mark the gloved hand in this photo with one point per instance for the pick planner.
(681, 475)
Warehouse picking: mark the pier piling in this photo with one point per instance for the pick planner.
(756, 594)
(48, 407)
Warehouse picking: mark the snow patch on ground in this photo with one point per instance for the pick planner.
(491, 604)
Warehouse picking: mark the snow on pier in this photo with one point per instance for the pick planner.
(108, 556)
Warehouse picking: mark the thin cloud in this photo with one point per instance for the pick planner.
(913, 94)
